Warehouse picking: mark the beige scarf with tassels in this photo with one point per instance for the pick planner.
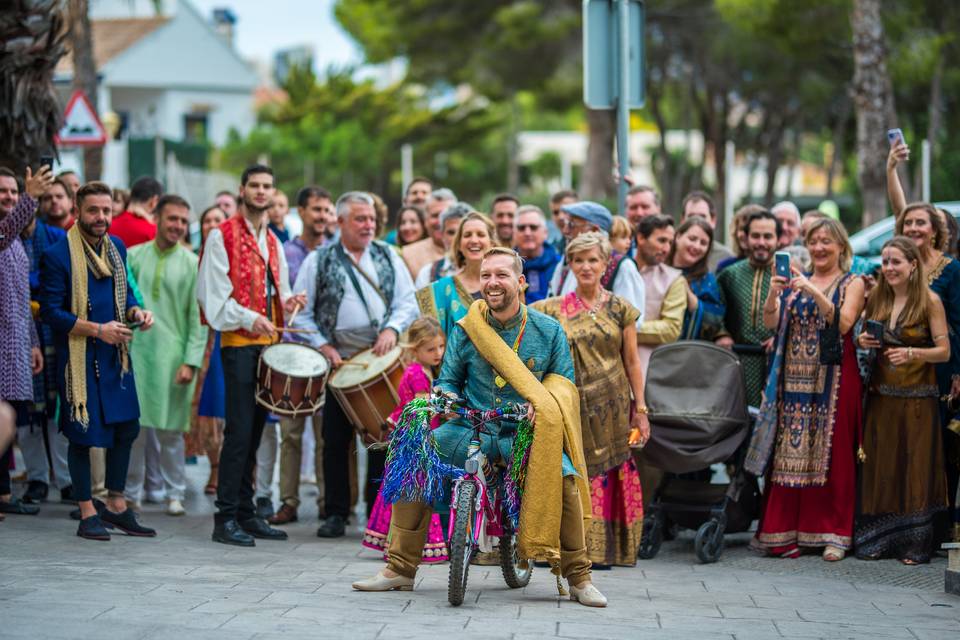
(105, 264)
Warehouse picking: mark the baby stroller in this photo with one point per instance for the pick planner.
(695, 393)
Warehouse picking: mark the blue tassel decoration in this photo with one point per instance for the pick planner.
(414, 471)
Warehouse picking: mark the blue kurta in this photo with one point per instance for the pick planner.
(111, 396)
(543, 349)
(946, 284)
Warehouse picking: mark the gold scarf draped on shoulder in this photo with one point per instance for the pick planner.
(556, 429)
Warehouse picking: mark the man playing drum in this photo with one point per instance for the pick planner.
(503, 352)
(243, 290)
(359, 295)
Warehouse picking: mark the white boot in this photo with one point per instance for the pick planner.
(381, 582)
(588, 595)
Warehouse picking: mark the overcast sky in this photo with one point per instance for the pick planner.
(264, 26)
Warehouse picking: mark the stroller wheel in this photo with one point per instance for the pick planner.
(652, 536)
(708, 544)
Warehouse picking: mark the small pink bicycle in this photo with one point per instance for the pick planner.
(478, 513)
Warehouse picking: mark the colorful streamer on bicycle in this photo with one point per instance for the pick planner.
(414, 471)
(517, 470)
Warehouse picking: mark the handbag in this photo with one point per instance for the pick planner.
(831, 344)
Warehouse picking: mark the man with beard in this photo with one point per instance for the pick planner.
(503, 352)
(167, 358)
(358, 296)
(85, 299)
(503, 211)
(417, 192)
(430, 249)
(315, 209)
(244, 290)
(665, 287)
(20, 354)
(743, 288)
(56, 205)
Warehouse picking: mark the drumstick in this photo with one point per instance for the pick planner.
(292, 330)
(297, 309)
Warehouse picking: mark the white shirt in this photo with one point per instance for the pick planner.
(214, 288)
(352, 313)
(424, 277)
(628, 284)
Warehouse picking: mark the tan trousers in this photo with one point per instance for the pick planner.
(291, 453)
(98, 472)
(410, 520)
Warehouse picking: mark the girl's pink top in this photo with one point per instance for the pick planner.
(415, 380)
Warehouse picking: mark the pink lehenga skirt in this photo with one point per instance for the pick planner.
(377, 533)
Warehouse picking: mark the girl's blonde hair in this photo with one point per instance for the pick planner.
(620, 228)
(423, 329)
(917, 308)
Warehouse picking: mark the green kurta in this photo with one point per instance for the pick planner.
(168, 282)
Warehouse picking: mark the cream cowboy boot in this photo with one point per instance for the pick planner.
(588, 595)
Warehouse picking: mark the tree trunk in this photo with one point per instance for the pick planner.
(774, 153)
(873, 97)
(839, 135)
(597, 180)
(513, 148)
(934, 117)
(85, 76)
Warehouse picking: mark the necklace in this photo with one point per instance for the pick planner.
(590, 310)
(499, 381)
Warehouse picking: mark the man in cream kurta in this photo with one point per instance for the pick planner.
(665, 287)
(167, 358)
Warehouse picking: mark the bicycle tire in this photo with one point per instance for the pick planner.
(514, 575)
(461, 543)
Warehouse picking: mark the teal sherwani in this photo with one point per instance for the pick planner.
(543, 349)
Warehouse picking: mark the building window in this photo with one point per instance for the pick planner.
(195, 127)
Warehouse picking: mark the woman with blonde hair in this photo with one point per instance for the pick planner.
(902, 483)
(448, 298)
(810, 417)
(601, 331)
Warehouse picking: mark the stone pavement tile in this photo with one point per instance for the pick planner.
(835, 630)
(916, 619)
(786, 612)
(335, 626)
(30, 628)
(932, 634)
(150, 616)
(756, 627)
(173, 632)
(917, 607)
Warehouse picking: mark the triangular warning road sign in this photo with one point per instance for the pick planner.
(81, 126)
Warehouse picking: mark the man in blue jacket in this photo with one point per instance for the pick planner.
(539, 257)
(86, 301)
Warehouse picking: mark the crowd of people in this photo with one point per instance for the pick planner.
(125, 351)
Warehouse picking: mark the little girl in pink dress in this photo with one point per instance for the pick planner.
(426, 346)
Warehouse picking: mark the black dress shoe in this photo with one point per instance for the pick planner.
(99, 505)
(332, 527)
(229, 532)
(264, 508)
(92, 528)
(258, 528)
(17, 507)
(127, 522)
(36, 492)
(66, 495)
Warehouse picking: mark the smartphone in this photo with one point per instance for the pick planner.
(875, 329)
(46, 161)
(783, 264)
(894, 136)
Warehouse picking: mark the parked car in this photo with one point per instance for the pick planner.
(868, 242)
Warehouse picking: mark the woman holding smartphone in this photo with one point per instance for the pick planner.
(902, 486)
(806, 433)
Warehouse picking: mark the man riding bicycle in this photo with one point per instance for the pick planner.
(501, 353)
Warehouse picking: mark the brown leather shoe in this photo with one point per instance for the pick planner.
(285, 515)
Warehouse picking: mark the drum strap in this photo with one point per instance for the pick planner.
(349, 265)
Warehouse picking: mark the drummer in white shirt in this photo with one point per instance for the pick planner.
(359, 296)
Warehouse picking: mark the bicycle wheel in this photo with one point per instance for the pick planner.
(516, 572)
(461, 542)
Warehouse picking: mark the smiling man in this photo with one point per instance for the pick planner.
(503, 352)
(743, 287)
(244, 291)
(166, 359)
(359, 295)
(540, 259)
(665, 287)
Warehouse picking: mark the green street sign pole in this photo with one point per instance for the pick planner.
(623, 109)
(613, 68)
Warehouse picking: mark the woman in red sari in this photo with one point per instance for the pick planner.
(811, 412)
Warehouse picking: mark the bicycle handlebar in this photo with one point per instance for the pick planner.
(448, 403)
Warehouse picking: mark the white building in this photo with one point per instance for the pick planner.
(174, 76)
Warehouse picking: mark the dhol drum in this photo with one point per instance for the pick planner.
(366, 387)
(291, 378)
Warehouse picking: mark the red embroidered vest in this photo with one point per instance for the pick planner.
(248, 272)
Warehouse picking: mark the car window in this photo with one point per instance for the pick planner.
(876, 244)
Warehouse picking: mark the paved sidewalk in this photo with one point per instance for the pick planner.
(182, 586)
